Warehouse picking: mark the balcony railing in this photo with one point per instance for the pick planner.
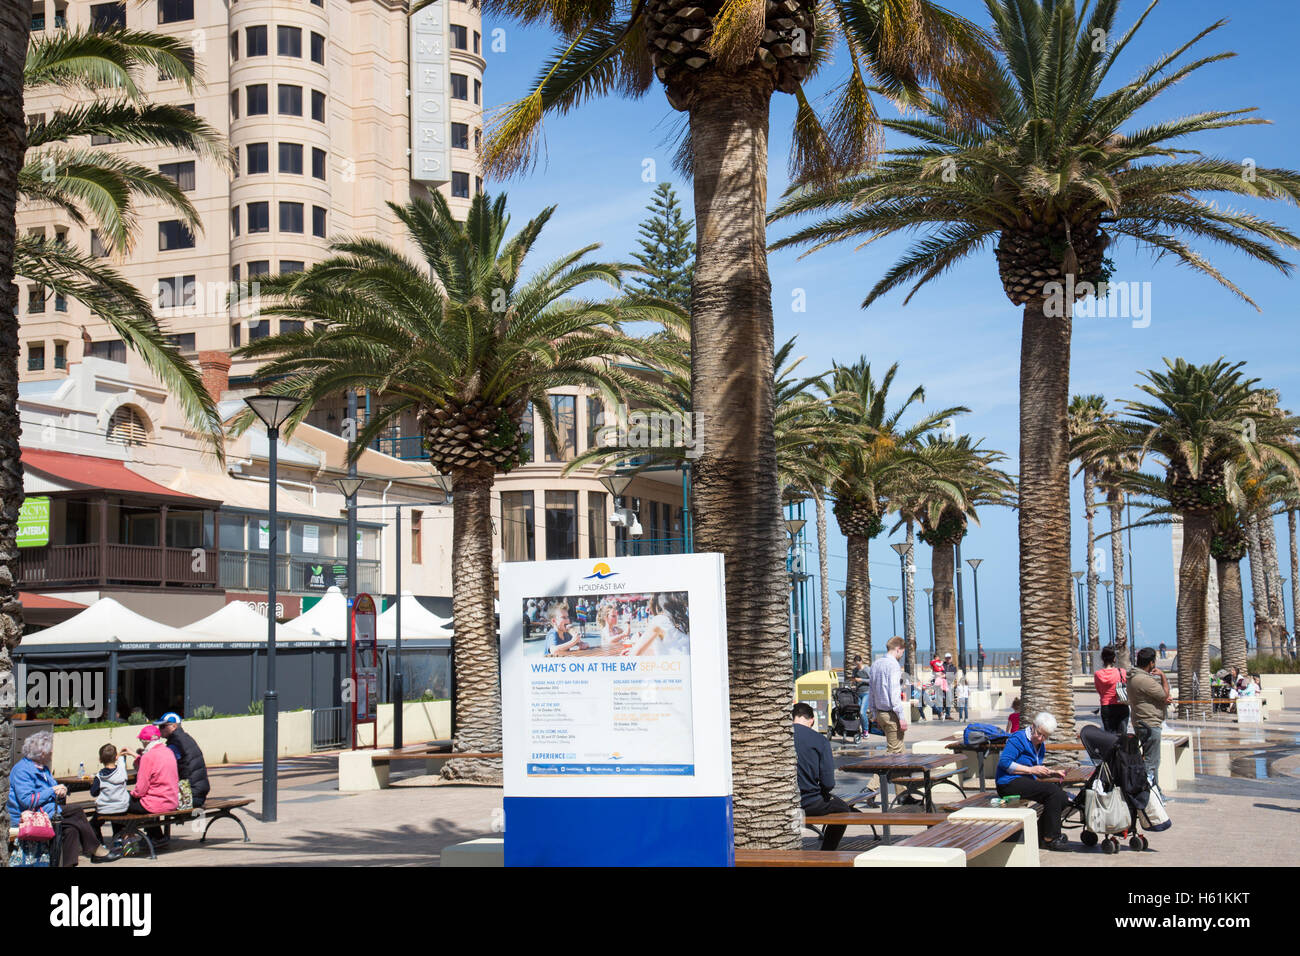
(75, 564)
(405, 447)
(248, 571)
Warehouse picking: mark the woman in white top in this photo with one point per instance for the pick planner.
(667, 631)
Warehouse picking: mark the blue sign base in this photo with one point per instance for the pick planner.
(619, 831)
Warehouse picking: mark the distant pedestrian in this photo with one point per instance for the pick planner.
(949, 685)
(1112, 689)
(1163, 651)
(887, 696)
(860, 680)
(1013, 718)
(963, 700)
(1149, 699)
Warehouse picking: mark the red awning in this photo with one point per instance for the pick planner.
(84, 472)
(43, 602)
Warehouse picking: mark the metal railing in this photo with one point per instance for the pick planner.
(329, 728)
(405, 447)
(247, 570)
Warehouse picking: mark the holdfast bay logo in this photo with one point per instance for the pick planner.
(601, 570)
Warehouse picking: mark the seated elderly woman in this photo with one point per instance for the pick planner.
(1021, 773)
(33, 787)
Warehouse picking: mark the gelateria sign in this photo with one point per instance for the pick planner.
(34, 522)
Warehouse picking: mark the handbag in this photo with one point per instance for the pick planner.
(1105, 811)
(34, 825)
(1121, 689)
(186, 801)
(1154, 815)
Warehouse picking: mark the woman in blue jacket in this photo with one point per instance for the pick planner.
(33, 787)
(1021, 773)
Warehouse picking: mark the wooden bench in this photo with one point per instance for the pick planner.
(972, 837)
(747, 858)
(211, 811)
(875, 818)
(985, 800)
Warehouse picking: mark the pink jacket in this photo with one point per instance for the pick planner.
(157, 782)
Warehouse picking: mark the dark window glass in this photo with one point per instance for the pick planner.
(517, 533)
(259, 157)
(259, 267)
(288, 41)
(318, 106)
(288, 266)
(459, 37)
(259, 220)
(235, 338)
(318, 162)
(526, 429)
(174, 234)
(595, 420)
(234, 45)
(291, 217)
(97, 248)
(259, 101)
(182, 174)
(290, 325)
(561, 525)
(478, 42)
(234, 222)
(317, 48)
(255, 41)
(234, 104)
(318, 221)
(460, 135)
(113, 350)
(102, 139)
(460, 185)
(564, 410)
(60, 355)
(597, 529)
(35, 358)
(174, 291)
(291, 158)
(459, 87)
(290, 100)
(173, 11)
(258, 329)
(478, 92)
(478, 185)
(182, 340)
(107, 16)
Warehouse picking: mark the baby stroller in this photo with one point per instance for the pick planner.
(1118, 765)
(846, 715)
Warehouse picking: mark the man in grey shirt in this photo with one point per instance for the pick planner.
(886, 697)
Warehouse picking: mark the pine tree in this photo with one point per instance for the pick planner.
(667, 252)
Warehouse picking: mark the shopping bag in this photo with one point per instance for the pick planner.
(1105, 810)
(1154, 815)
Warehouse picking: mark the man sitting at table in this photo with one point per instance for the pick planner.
(1021, 773)
(559, 639)
(816, 768)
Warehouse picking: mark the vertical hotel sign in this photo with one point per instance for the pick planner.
(430, 122)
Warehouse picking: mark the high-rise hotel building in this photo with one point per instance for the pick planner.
(331, 108)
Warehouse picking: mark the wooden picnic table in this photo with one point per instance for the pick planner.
(77, 784)
(885, 765)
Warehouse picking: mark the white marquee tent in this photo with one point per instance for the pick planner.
(417, 622)
(237, 621)
(327, 619)
(106, 622)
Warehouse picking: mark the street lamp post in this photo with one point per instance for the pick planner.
(1110, 610)
(893, 614)
(274, 411)
(904, 551)
(979, 640)
(961, 614)
(844, 624)
(1083, 623)
(616, 485)
(929, 602)
(793, 526)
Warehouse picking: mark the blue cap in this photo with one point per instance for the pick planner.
(171, 717)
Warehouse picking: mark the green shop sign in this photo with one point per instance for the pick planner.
(34, 522)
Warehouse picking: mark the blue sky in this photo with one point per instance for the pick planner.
(960, 337)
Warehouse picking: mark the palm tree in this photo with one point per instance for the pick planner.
(720, 64)
(1058, 172)
(1203, 421)
(465, 341)
(95, 186)
(1085, 415)
(869, 474)
(14, 23)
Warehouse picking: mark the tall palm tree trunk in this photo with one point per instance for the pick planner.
(1273, 576)
(823, 569)
(909, 597)
(1193, 646)
(1090, 512)
(1295, 578)
(1258, 590)
(857, 594)
(1115, 499)
(475, 649)
(14, 23)
(1232, 613)
(1044, 525)
(945, 613)
(737, 497)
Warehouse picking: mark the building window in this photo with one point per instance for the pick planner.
(234, 222)
(259, 158)
(317, 48)
(127, 427)
(35, 300)
(259, 100)
(595, 420)
(259, 220)
(174, 291)
(236, 336)
(596, 526)
(526, 430)
(478, 185)
(318, 3)
(259, 267)
(291, 217)
(460, 185)
(478, 43)
(561, 525)
(255, 41)
(187, 60)
(290, 100)
(234, 45)
(318, 162)
(108, 16)
(102, 139)
(564, 410)
(318, 221)
(289, 266)
(291, 158)
(182, 174)
(97, 248)
(289, 326)
(517, 532)
(174, 11)
(459, 87)
(60, 303)
(478, 92)
(288, 41)
(259, 329)
(187, 107)
(111, 350)
(60, 355)
(459, 37)
(234, 104)
(460, 136)
(174, 234)
(318, 106)
(36, 357)
(183, 341)
(417, 537)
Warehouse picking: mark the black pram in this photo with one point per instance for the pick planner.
(846, 715)
(1118, 765)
